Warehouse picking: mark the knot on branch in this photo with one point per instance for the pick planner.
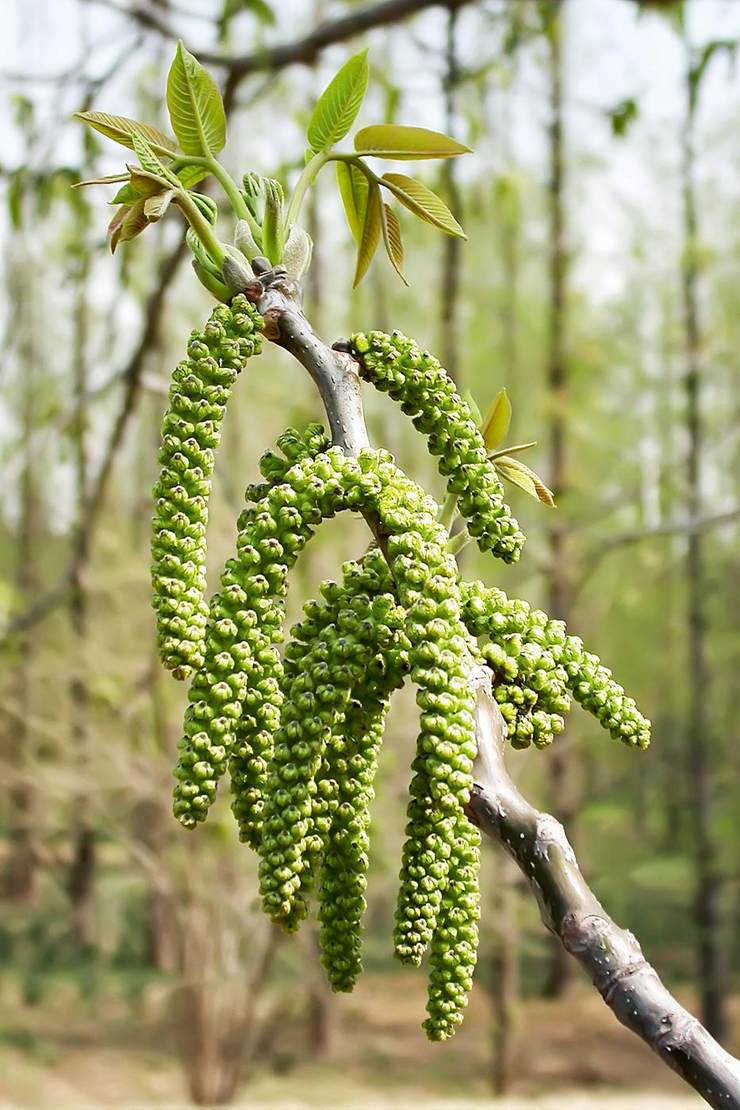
(550, 832)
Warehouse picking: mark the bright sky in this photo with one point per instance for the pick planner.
(610, 52)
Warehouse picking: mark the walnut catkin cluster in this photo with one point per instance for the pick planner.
(299, 728)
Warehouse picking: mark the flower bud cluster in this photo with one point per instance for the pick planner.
(234, 699)
(191, 431)
(426, 393)
(454, 946)
(537, 666)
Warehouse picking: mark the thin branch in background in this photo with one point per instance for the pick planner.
(301, 51)
(672, 528)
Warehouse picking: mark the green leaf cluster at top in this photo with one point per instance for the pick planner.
(169, 168)
(368, 216)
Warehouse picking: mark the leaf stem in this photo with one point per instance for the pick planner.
(458, 542)
(200, 226)
(448, 511)
(310, 173)
(304, 183)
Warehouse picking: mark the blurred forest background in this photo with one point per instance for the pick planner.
(601, 286)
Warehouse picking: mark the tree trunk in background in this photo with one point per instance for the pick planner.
(18, 880)
(320, 1012)
(559, 762)
(449, 302)
(707, 878)
(81, 876)
(509, 232)
(314, 283)
(505, 969)
(504, 960)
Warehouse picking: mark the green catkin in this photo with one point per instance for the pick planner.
(426, 393)
(315, 703)
(454, 946)
(345, 860)
(255, 729)
(536, 664)
(351, 764)
(191, 431)
(234, 699)
(342, 789)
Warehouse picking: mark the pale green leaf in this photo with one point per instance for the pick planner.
(122, 130)
(515, 471)
(392, 140)
(195, 106)
(339, 103)
(392, 239)
(353, 186)
(147, 158)
(423, 203)
(192, 175)
(496, 425)
(370, 234)
(125, 195)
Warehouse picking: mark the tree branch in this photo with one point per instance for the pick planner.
(302, 51)
(611, 956)
(536, 841)
(691, 527)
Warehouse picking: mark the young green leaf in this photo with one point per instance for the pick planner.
(192, 175)
(392, 239)
(214, 286)
(521, 475)
(147, 158)
(423, 203)
(370, 233)
(201, 254)
(272, 221)
(339, 103)
(496, 425)
(127, 194)
(122, 130)
(394, 141)
(195, 106)
(353, 186)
